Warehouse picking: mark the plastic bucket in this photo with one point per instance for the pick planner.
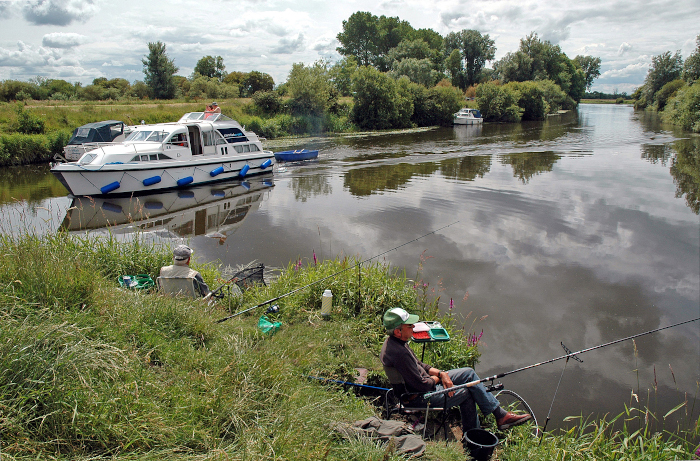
(480, 443)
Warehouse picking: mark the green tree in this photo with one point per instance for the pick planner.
(475, 48)
(684, 108)
(514, 67)
(664, 68)
(256, 81)
(374, 93)
(417, 70)
(341, 75)
(159, 71)
(359, 38)
(212, 67)
(691, 68)
(310, 89)
(591, 68)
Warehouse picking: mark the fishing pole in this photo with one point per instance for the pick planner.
(330, 276)
(500, 375)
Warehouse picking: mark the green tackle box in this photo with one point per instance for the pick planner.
(137, 282)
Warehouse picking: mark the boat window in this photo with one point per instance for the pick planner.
(154, 157)
(148, 136)
(179, 139)
(87, 158)
(254, 148)
(208, 138)
(144, 158)
(219, 139)
(246, 148)
(135, 159)
(116, 130)
(192, 116)
(239, 149)
(163, 157)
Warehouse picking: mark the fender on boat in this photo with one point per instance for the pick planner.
(110, 187)
(266, 163)
(244, 170)
(216, 171)
(185, 181)
(152, 180)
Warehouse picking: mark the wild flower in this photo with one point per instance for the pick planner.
(315, 260)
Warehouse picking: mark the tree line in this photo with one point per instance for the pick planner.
(672, 87)
(396, 75)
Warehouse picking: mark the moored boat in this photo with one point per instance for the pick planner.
(200, 148)
(295, 155)
(467, 116)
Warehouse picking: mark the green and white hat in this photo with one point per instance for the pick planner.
(396, 316)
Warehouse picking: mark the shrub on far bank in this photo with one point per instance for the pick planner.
(498, 103)
(684, 108)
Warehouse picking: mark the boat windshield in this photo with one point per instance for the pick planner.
(147, 136)
(208, 116)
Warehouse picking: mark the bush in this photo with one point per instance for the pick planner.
(497, 103)
(530, 99)
(28, 123)
(666, 92)
(269, 102)
(619, 100)
(684, 108)
(375, 99)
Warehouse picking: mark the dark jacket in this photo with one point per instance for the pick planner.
(396, 353)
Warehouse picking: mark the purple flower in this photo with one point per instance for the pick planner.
(315, 261)
(697, 452)
(452, 304)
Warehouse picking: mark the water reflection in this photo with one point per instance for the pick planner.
(685, 169)
(31, 184)
(366, 181)
(212, 211)
(308, 186)
(527, 164)
(466, 168)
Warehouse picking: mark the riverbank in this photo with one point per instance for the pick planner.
(93, 371)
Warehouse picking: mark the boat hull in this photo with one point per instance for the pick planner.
(295, 156)
(468, 121)
(136, 178)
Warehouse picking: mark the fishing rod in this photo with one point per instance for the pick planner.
(330, 276)
(567, 356)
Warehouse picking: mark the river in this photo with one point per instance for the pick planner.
(578, 230)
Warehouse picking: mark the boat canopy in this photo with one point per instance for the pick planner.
(104, 131)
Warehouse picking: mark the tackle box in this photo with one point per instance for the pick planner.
(137, 282)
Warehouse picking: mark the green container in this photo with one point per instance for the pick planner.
(439, 334)
(137, 282)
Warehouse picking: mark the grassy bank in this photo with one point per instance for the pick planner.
(90, 371)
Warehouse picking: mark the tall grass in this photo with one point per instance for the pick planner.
(92, 371)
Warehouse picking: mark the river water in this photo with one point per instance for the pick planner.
(578, 230)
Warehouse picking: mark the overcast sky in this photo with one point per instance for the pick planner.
(79, 40)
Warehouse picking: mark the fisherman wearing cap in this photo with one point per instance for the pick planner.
(181, 269)
(422, 378)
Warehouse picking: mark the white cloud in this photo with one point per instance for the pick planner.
(289, 45)
(58, 12)
(63, 40)
(624, 48)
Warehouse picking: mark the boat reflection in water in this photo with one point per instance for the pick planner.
(213, 211)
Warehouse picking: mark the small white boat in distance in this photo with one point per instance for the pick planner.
(200, 148)
(467, 116)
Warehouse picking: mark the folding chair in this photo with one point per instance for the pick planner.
(398, 400)
(178, 286)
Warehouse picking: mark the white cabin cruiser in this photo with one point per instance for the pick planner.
(200, 148)
(467, 116)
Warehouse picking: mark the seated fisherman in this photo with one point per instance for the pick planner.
(181, 268)
(423, 378)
